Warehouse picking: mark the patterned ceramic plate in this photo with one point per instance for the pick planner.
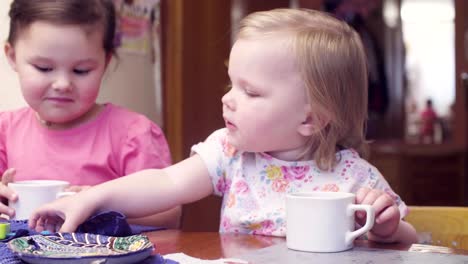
(80, 248)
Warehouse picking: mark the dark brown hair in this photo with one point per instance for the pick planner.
(90, 13)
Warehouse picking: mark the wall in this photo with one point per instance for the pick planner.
(10, 94)
(130, 82)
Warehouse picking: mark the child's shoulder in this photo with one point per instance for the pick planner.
(218, 135)
(121, 117)
(352, 158)
(216, 142)
(122, 113)
(20, 112)
(349, 161)
(15, 117)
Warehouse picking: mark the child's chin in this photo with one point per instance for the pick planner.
(234, 143)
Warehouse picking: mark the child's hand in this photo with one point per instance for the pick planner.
(7, 193)
(387, 215)
(64, 214)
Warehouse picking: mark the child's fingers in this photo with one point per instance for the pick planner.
(39, 225)
(381, 205)
(389, 213)
(361, 194)
(383, 201)
(4, 209)
(40, 219)
(71, 220)
(53, 224)
(5, 192)
(8, 176)
(69, 225)
(49, 226)
(371, 197)
(32, 221)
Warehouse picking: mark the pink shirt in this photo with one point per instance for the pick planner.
(116, 143)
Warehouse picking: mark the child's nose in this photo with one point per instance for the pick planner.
(62, 83)
(228, 100)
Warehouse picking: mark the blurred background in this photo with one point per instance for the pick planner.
(171, 68)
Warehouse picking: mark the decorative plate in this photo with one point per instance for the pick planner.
(80, 248)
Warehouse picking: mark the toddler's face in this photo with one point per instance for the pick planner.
(60, 68)
(267, 103)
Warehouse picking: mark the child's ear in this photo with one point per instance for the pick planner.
(10, 54)
(311, 124)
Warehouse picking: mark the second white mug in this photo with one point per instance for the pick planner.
(323, 221)
(32, 194)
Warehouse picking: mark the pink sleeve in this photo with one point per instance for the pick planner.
(145, 147)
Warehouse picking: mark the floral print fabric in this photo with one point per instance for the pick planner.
(254, 185)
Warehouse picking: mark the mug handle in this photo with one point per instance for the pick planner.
(370, 215)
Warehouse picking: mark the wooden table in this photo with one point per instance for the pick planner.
(213, 245)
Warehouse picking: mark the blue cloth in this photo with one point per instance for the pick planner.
(106, 223)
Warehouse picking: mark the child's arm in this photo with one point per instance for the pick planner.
(169, 219)
(388, 226)
(146, 147)
(139, 194)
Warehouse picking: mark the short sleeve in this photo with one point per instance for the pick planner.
(145, 147)
(215, 153)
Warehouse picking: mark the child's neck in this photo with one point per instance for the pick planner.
(298, 154)
(93, 112)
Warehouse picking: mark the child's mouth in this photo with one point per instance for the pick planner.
(59, 99)
(230, 125)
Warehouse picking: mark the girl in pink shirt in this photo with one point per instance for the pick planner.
(60, 51)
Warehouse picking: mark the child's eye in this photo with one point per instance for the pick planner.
(81, 72)
(42, 68)
(251, 93)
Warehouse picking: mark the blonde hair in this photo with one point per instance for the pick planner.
(333, 65)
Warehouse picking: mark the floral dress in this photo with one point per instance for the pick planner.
(254, 185)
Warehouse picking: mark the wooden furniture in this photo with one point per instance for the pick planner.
(213, 245)
(196, 45)
(434, 175)
(429, 175)
(441, 225)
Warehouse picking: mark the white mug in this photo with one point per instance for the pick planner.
(32, 194)
(323, 221)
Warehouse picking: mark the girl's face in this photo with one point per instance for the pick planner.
(60, 68)
(267, 108)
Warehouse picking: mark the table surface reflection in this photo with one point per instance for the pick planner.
(213, 245)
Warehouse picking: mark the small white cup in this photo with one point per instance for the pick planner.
(323, 221)
(32, 194)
